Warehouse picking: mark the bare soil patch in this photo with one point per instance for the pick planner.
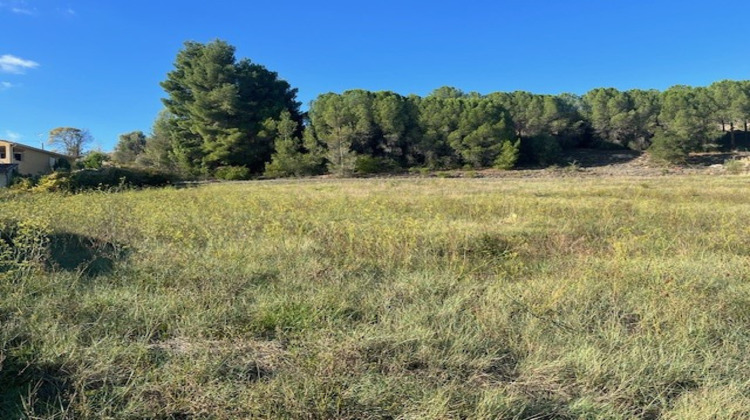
(614, 163)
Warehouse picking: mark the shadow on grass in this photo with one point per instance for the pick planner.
(708, 159)
(33, 390)
(592, 158)
(91, 257)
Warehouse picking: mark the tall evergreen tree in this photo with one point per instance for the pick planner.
(686, 123)
(292, 156)
(483, 127)
(343, 124)
(219, 105)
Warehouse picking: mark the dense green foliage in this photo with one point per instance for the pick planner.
(157, 152)
(222, 113)
(450, 128)
(508, 156)
(232, 173)
(293, 156)
(94, 159)
(99, 178)
(128, 147)
(429, 298)
(218, 106)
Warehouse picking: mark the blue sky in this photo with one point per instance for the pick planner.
(97, 64)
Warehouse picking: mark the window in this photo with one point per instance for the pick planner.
(2, 152)
(18, 156)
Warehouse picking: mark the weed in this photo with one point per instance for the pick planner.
(736, 166)
(403, 298)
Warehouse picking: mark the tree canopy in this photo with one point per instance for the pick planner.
(129, 146)
(69, 140)
(219, 105)
(234, 115)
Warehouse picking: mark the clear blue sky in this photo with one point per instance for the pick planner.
(98, 64)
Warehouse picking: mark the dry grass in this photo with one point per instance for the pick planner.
(421, 298)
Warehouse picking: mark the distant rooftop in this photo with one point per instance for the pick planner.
(27, 147)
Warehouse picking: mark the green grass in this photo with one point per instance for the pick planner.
(407, 298)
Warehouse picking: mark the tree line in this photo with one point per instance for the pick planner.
(234, 119)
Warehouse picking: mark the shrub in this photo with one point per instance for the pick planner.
(736, 166)
(22, 182)
(509, 153)
(284, 166)
(419, 170)
(290, 160)
(668, 148)
(104, 178)
(62, 165)
(56, 181)
(300, 164)
(232, 173)
(24, 245)
(118, 177)
(93, 160)
(374, 165)
(544, 150)
(572, 167)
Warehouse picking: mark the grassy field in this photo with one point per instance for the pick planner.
(407, 298)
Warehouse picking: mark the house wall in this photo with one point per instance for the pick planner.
(8, 152)
(33, 161)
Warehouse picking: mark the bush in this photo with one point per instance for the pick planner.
(24, 245)
(419, 170)
(232, 173)
(88, 179)
(284, 166)
(543, 150)
(93, 160)
(22, 182)
(116, 177)
(668, 148)
(509, 153)
(56, 181)
(298, 164)
(374, 165)
(62, 165)
(736, 166)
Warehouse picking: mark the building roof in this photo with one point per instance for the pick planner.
(36, 149)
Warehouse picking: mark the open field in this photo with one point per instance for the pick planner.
(404, 298)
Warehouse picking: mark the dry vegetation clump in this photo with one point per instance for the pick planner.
(408, 298)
